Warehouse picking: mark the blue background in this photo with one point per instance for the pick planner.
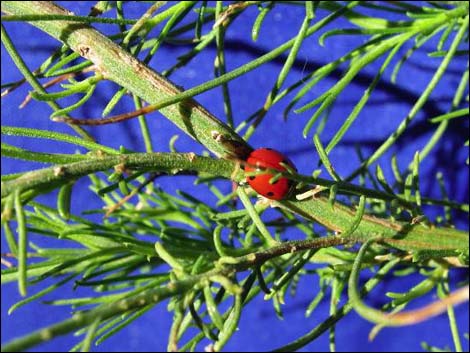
(259, 328)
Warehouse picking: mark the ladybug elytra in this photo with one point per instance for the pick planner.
(268, 158)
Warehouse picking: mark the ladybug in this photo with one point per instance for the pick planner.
(268, 158)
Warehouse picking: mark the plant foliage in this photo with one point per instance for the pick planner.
(211, 259)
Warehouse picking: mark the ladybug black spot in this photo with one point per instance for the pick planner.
(252, 177)
(270, 194)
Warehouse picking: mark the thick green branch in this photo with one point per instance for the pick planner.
(118, 65)
(167, 162)
(428, 241)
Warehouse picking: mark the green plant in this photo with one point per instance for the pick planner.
(204, 268)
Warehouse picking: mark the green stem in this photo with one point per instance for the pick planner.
(33, 81)
(169, 162)
(256, 217)
(22, 244)
(105, 312)
(395, 319)
(340, 313)
(120, 66)
(340, 218)
(419, 103)
(225, 266)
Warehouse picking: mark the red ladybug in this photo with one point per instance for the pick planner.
(268, 158)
